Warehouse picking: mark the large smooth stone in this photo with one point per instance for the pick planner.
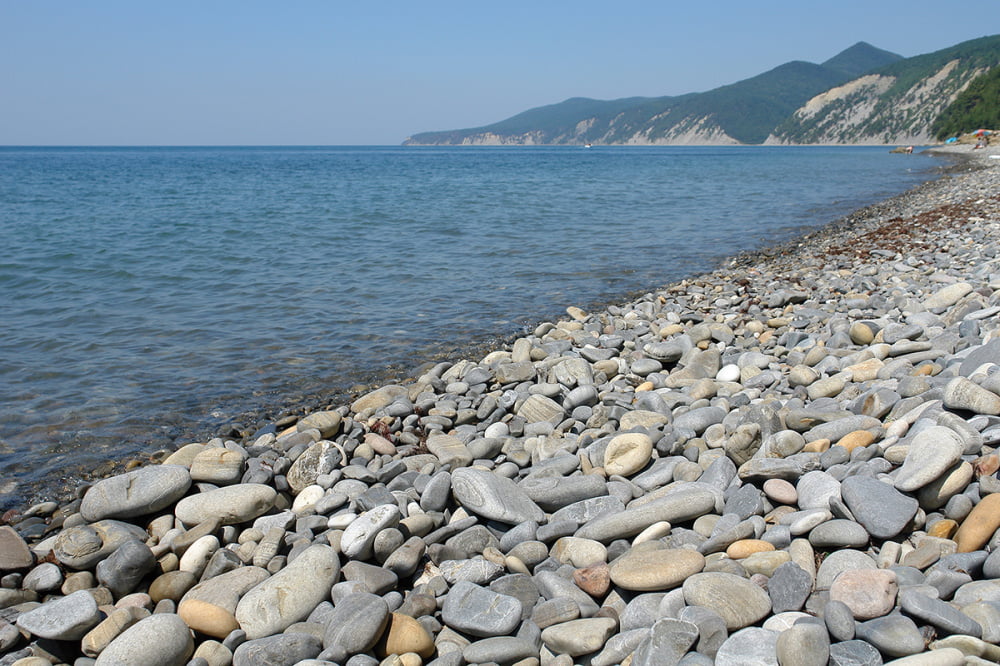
(750, 647)
(578, 637)
(290, 649)
(961, 393)
(122, 571)
(360, 535)
(449, 450)
(289, 595)
(218, 465)
(931, 453)
(379, 398)
(940, 614)
(83, 546)
(356, 623)
(493, 497)
(681, 504)
(14, 552)
(880, 508)
(553, 493)
(327, 422)
(804, 644)
(64, 618)
(979, 526)
(478, 611)
(137, 493)
(405, 634)
(320, 458)
(653, 570)
(627, 453)
(947, 296)
(161, 639)
(210, 606)
(231, 505)
(869, 593)
(538, 408)
(893, 635)
(737, 600)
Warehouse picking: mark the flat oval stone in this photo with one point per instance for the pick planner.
(805, 643)
(940, 614)
(291, 648)
(289, 595)
(578, 637)
(893, 635)
(838, 533)
(83, 546)
(64, 618)
(947, 296)
(450, 450)
(854, 653)
(980, 525)
(478, 611)
(137, 493)
(683, 503)
(500, 649)
(960, 393)
(161, 639)
(654, 570)
(405, 634)
(210, 606)
(752, 646)
(881, 509)
(815, 489)
(552, 493)
(931, 453)
(356, 623)
(627, 453)
(359, 537)
(327, 422)
(869, 593)
(218, 465)
(230, 505)
(579, 552)
(737, 600)
(494, 497)
(782, 491)
(14, 552)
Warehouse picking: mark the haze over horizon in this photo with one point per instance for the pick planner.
(314, 73)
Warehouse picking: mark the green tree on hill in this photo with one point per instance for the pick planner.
(978, 106)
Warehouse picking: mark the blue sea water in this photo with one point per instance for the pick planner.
(153, 296)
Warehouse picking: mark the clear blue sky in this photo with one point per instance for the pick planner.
(214, 72)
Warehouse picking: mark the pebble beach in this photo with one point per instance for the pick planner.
(789, 460)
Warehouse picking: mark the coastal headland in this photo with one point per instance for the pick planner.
(788, 460)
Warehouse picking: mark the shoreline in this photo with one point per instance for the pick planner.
(240, 422)
(693, 467)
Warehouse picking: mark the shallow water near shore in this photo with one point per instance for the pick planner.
(155, 295)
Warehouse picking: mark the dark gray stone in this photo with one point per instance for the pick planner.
(943, 616)
(854, 653)
(789, 587)
(279, 650)
(881, 509)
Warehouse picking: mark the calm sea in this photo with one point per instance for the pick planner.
(152, 296)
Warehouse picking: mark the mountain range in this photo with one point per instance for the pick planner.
(862, 95)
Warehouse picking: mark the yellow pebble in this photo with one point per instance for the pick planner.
(943, 529)
(816, 446)
(747, 547)
(856, 439)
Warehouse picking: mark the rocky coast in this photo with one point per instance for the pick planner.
(789, 460)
